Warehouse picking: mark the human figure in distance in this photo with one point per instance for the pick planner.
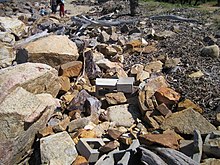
(133, 7)
(53, 4)
(61, 3)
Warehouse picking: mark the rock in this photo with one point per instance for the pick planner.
(106, 64)
(114, 134)
(168, 139)
(121, 115)
(13, 25)
(7, 38)
(212, 144)
(34, 77)
(115, 98)
(78, 123)
(133, 44)
(80, 160)
(22, 115)
(210, 161)
(103, 37)
(109, 146)
(58, 149)
(75, 114)
(53, 50)
(164, 34)
(141, 76)
(186, 121)
(107, 50)
(118, 58)
(210, 40)
(71, 69)
(118, 48)
(197, 146)
(210, 51)
(62, 125)
(117, 72)
(155, 66)
(171, 62)
(7, 56)
(167, 96)
(86, 134)
(185, 104)
(101, 128)
(45, 132)
(146, 49)
(91, 67)
(187, 147)
(162, 108)
(150, 120)
(196, 74)
(137, 68)
(218, 117)
(65, 83)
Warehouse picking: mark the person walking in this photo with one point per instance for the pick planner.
(61, 3)
(133, 7)
(53, 4)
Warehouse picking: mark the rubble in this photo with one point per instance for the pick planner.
(149, 83)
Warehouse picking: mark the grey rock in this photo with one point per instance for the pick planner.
(210, 161)
(6, 57)
(210, 51)
(186, 121)
(22, 115)
(120, 115)
(34, 77)
(78, 123)
(58, 149)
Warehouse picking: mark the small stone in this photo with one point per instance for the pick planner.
(210, 40)
(71, 69)
(62, 126)
(136, 68)
(78, 123)
(75, 114)
(218, 117)
(103, 37)
(164, 34)
(146, 49)
(118, 58)
(150, 120)
(109, 146)
(118, 48)
(101, 128)
(141, 76)
(210, 161)
(125, 140)
(162, 108)
(65, 83)
(106, 64)
(115, 98)
(210, 51)
(186, 121)
(45, 131)
(159, 118)
(155, 66)
(114, 37)
(121, 115)
(167, 96)
(133, 44)
(188, 104)
(86, 134)
(80, 160)
(196, 74)
(114, 134)
(171, 62)
(168, 139)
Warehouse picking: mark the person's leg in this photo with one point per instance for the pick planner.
(63, 10)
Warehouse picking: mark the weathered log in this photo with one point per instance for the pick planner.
(174, 157)
(31, 38)
(149, 157)
(174, 17)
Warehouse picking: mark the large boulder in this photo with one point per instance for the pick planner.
(58, 149)
(34, 77)
(13, 25)
(186, 121)
(22, 115)
(52, 50)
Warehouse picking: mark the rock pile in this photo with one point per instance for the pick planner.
(54, 109)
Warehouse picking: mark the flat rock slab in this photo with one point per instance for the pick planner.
(186, 121)
(22, 115)
(34, 77)
(52, 50)
(58, 149)
(121, 115)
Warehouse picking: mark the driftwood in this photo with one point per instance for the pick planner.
(84, 22)
(31, 38)
(173, 17)
(149, 157)
(174, 157)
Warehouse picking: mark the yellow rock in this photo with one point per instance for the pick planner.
(189, 104)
